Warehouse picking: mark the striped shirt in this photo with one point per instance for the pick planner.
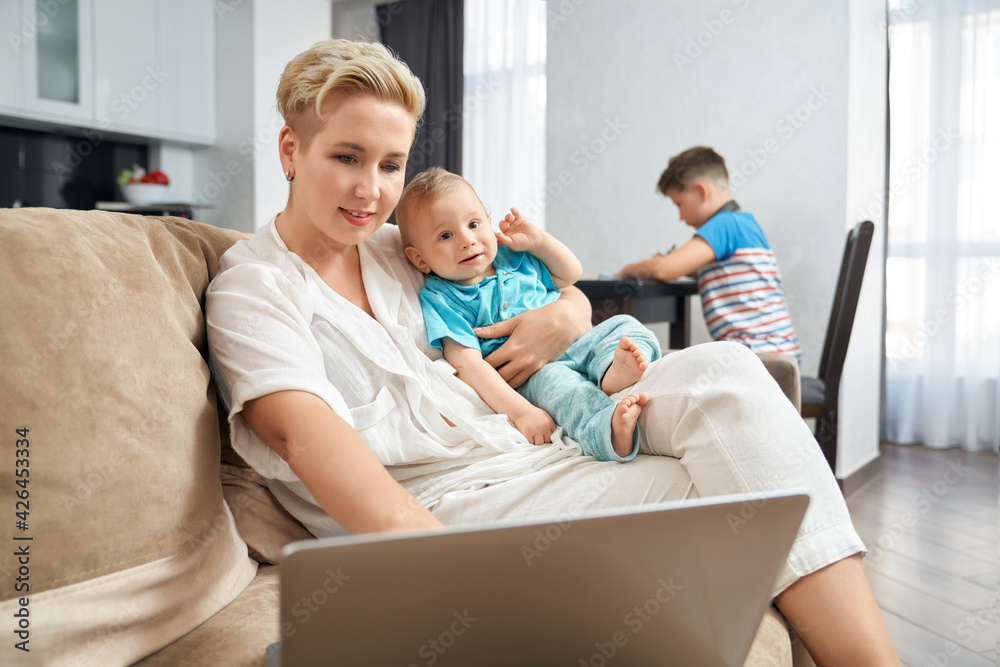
(741, 294)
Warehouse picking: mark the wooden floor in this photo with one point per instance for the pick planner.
(930, 522)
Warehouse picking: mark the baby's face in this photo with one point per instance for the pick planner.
(452, 236)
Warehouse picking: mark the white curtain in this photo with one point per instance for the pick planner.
(503, 125)
(943, 263)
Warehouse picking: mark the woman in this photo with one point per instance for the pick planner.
(336, 398)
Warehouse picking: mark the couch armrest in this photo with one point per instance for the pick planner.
(785, 371)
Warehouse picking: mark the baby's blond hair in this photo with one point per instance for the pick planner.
(340, 66)
(425, 187)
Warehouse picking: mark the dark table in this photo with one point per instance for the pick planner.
(645, 301)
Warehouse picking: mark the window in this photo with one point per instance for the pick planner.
(503, 135)
(943, 262)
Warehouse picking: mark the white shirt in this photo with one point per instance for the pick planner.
(274, 325)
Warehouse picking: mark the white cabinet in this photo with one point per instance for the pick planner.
(126, 94)
(187, 88)
(138, 67)
(56, 61)
(10, 59)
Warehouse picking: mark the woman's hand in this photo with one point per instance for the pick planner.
(537, 336)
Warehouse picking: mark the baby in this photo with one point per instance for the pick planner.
(477, 277)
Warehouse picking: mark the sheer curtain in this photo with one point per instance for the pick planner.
(943, 263)
(503, 129)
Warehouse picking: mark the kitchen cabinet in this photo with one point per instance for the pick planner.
(56, 65)
(113, 65)
(187, 89)
(10, 63)
(126, 95)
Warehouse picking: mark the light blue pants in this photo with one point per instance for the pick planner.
(569, 388)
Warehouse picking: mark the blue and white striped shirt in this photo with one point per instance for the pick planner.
(741, 293)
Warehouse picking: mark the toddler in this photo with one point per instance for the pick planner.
(477, 277)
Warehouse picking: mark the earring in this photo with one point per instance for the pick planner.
(288, 176)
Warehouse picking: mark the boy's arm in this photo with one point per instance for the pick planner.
(535, 423)
(518, 233)
(681, 262)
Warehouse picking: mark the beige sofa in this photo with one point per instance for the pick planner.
(133, 553)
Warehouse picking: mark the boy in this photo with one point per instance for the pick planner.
(472, 283)
(738, 279)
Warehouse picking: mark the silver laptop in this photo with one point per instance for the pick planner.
(679, 583)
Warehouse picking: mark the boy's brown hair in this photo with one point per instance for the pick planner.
(700, 162)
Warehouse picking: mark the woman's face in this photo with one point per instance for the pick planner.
(349, 178)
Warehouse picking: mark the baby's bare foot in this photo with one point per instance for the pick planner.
(626, 368)
(623, 422)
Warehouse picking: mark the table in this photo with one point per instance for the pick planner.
(645, 301)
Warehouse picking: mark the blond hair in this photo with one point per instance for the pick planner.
(340, 66)
(425, 187)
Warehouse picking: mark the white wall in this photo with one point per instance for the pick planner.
(241, 173)
(220, 174)
(282, 30)
(781, 91)
(356, 19)
(860, 389)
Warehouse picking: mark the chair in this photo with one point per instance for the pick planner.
(820, 394)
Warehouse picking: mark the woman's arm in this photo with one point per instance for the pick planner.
(681, 262)
(538, 336)
(334, 462)
(534, 423)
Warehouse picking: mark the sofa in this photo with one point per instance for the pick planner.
(142, 538)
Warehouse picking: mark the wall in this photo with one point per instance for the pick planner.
(220, 174)
(356, 19)
(241, 173)
(61, 169)
(780, 90)
(860, 389)
(282, 30)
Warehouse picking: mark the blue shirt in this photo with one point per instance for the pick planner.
(451, 310)
(741, 291)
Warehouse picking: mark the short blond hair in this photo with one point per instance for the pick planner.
(425, 187)
(340, 66)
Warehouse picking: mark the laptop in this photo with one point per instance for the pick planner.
(677, 583)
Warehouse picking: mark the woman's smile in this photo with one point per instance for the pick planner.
(357, 218)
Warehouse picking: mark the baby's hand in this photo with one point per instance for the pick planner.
(518, 233)
(535, 424)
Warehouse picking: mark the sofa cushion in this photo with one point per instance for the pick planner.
(262, 522)
(238, 636)
(130, 542)
(771, 646)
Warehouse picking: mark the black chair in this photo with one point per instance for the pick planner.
(819, 394)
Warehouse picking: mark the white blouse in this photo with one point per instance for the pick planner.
(274, 325)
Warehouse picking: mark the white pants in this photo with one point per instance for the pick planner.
(716, 424)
